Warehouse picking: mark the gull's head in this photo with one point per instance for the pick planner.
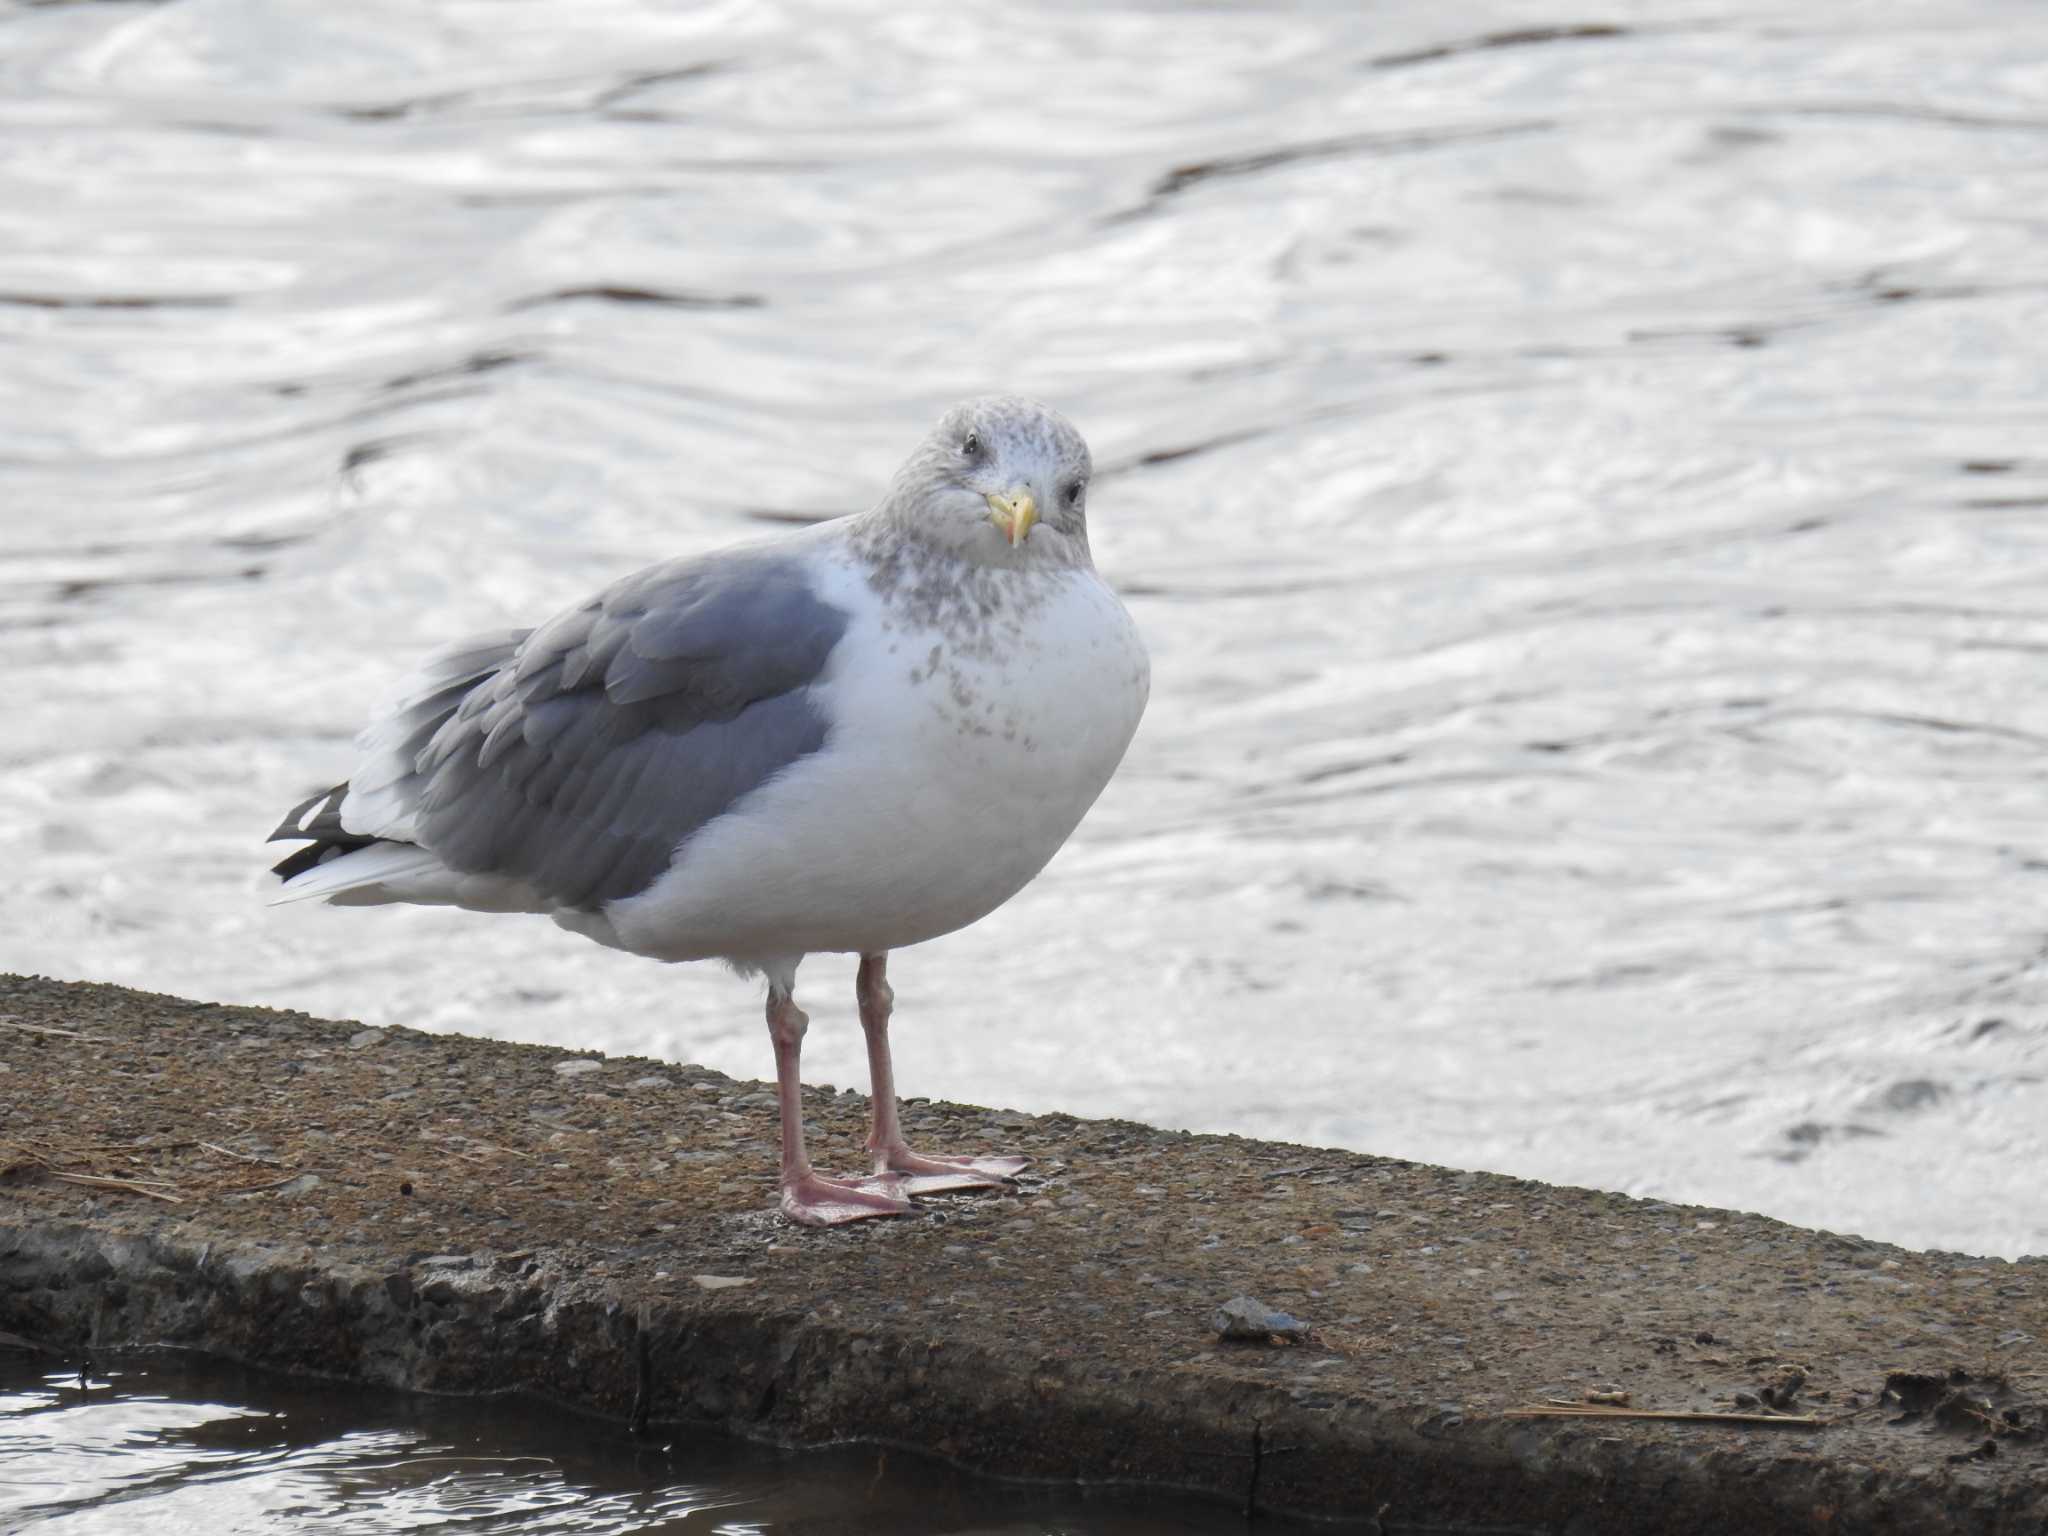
(1000, 481)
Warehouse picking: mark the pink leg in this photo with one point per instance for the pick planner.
(922, 1175)
(806, 1197)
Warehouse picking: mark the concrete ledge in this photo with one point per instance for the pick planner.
(457, 1215)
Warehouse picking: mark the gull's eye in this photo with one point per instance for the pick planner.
(1074, 494)
(971, 445)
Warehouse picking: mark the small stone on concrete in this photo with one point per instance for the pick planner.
(1250, 1320)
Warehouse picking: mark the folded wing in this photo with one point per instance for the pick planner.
(564, 767)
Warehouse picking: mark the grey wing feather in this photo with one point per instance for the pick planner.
(627, 724)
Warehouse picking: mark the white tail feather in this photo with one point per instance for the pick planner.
(378, 864)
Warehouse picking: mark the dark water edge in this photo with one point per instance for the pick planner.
(171, 1439)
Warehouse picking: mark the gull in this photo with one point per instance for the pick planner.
(852, 739)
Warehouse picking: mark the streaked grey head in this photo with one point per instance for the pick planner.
(1000, 482)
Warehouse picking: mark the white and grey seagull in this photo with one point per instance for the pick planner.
(853, 739)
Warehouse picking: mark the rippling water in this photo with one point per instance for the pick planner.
(176, 1446)
(1582, 474)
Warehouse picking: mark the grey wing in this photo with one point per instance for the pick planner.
(625, 725)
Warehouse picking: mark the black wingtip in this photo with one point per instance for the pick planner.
(317, 823)
(309, 857)
(315, 819)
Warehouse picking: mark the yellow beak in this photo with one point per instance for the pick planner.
(1014, 514)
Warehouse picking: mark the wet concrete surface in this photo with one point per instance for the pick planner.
(457, 1215)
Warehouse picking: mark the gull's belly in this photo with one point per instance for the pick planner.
(952, 772)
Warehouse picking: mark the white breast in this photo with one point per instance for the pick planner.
(955, 767)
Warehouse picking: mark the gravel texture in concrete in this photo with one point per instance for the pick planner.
(460, 1215)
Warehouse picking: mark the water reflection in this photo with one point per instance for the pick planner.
(178, 1444)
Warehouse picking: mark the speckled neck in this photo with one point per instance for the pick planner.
(927, 587)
